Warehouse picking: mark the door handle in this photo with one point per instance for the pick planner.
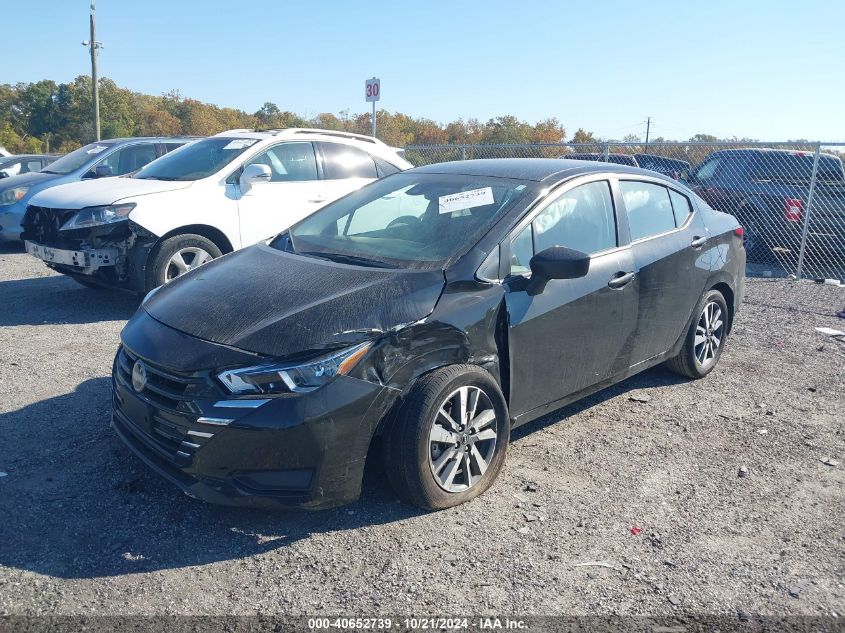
(698, 241)
(620, 279)
(317, 200)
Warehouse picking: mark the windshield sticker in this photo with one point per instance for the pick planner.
(96, 149)
(240, 143)
(466, 200)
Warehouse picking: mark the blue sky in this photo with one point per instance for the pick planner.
(768, 69)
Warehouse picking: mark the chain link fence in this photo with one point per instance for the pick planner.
(789, 197)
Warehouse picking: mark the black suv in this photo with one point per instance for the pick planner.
(767, 190)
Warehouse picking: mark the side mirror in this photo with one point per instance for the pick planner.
(556, 262)
(254, 174)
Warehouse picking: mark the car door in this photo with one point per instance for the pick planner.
(344, 169)
(668, 244)
(575, 333)
(292, 193)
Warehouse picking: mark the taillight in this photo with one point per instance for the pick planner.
(738, 231)
(793, 208)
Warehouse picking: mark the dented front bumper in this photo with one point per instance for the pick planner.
(304, 450)
(112, 255)
(87, 260)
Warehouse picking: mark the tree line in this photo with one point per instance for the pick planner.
(47, 116)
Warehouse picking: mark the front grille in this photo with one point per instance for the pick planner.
(166, 390)
(172, 414)
(42, 224)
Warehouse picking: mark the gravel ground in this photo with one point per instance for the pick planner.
(724, 476)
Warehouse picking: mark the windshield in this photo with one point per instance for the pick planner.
(196, 160)
(77, 158)
(408, 220)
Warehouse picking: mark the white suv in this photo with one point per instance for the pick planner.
(205, 199)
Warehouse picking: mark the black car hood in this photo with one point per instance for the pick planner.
(279, 304)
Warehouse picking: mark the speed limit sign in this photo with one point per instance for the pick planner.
(372, 89)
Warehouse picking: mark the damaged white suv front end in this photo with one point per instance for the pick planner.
(208, 198)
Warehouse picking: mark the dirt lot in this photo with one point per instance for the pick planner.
(85, 528)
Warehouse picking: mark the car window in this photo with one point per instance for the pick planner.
(522, 250)
(30, 165)
(681, 207)
(169, 147)
(581, 218)
(79, 158)
(649, 208)
(384, 168)
(344, 161)
(288, 162)
(130, 158)
(708, 169)
(197, 160)
(412, 220)
(398, 210)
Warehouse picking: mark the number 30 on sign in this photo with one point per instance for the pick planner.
(372, 89)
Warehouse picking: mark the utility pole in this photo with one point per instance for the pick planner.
(94, 46)
(647, 129)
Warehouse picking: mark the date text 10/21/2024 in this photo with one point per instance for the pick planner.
(417, 624)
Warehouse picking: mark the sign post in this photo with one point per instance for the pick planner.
(372, 92)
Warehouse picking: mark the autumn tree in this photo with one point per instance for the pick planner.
(582, 136)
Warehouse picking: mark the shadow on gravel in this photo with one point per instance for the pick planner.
(654, 377)
(76, 504)
(58, 299)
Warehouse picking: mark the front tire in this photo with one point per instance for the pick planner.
(705, 339)
(449, 440)
(178, 255)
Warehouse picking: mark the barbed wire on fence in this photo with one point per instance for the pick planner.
(788, 195)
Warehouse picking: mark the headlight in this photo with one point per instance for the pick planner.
(96, 216)
(11, 196)
(290, 377)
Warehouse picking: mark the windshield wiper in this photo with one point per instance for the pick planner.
(166, 178)
(347, 259)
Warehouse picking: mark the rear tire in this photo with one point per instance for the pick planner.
(435, 474)
(177, 255)
(706, 338)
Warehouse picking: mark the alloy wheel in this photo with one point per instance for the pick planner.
(462, 440)
(185, 259)
(709, 334)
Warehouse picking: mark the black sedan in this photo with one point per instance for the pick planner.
(438, 309)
